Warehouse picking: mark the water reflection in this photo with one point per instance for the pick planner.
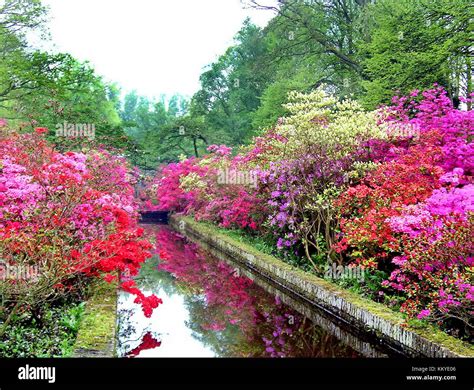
(210, 309)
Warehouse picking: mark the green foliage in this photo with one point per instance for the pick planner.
(417, 324)
(266, 244)
(50, 333)
(163, 130)
(231, 87)
(273, 99)
(414, 44)
(360, 49)
(42, 89)
(355, 48)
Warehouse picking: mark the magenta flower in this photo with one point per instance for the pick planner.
(424, 313)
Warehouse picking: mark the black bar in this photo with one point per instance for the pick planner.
(157, 371)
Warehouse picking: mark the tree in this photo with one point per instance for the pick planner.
(231, 87)
(42, 89)
(161, 130)
(325, 34)
(187, 135)
(19, 16)
(414, 44)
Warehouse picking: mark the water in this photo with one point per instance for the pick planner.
(212, 309)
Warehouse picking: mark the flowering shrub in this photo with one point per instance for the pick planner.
(170, 194)
(191, 187)
(317, 118)
(412, 216)
(300, 194)
(364, 208)
(371, 188)
(67, 216)
(232, 209)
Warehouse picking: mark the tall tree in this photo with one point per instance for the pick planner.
(231, 87)
(414, 44)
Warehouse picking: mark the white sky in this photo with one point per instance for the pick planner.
(153, 46)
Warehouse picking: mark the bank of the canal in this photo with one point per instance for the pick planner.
(369, 319)
(96, 335)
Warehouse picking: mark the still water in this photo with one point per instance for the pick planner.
(211, 309)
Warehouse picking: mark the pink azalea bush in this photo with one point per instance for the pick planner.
(191, 187)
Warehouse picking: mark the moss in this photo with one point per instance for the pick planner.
(447, 341)
(97, 329)
(429, 332)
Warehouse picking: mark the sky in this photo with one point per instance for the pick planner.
(153, 46)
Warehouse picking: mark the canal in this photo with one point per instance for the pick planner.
(212, 308)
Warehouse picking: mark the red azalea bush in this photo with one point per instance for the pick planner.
(367, 238)
(65, 218)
